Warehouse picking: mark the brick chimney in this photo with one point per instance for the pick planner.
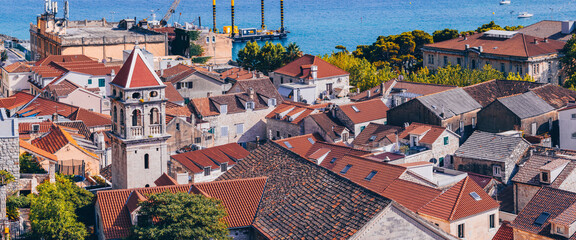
(251, 93)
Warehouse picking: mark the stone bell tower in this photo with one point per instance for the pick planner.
(139, 149)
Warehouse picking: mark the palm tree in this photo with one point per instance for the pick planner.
(292, 52)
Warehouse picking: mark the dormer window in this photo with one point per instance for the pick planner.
(272, 102)
(372, 138)
(35, 128)
(250, 105)
(223, 109)
(544, 177)
(207, 171)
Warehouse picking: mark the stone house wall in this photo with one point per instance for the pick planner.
(475, 226)
(201, 86)
(13, 82)
(523, 235)
(279, 129)
(523, 193)
(181, 132)
(175, 167)
(254, 126)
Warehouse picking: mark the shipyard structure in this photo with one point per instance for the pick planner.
(98, 39)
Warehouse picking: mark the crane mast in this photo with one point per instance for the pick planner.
(172, 9)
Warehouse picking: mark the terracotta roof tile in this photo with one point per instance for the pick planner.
(293, 112)
(330, 125)
(530, 172)
(133, 200)
(27, 127)
(40, 106)
(300, 144)
(177, 110)
(481, 180)
(360, 168)
(91, 119)
(136, 73)
(56, 139)
(505, 232)
(549, 200)
(410, 195)
(79, 126)
(337, 152)
(212, 157)
(300, 68)
(165, 180)
(520, 45)
(370, 110)
(17, 67)
(37, 151)
(555, 95)
(431, 132)
(172, 94)
(63, 58)
(457, 202)
(303, 199)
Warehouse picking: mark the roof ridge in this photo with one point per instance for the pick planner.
(456, 204)
(142, 188)
(524, 43)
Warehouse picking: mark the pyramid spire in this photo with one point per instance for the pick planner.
(136, 72)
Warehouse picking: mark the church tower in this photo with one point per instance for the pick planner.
(139, 149)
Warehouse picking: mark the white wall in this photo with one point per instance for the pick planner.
(567, 126)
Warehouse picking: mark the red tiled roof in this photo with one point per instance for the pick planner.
(165, 180)
(432, 132)
(172, 94)
(18, 67)
(37, 151)
(136, 73)
(410, 195)
(481, 180)
(239, 197)
(505, 232)
(295, 111)
(212, 157)
(457, 203)
(91, 119)
(300, 68)
(520, 45)
(133, 200)
(337, 152)
(362, 167)
(369, 110)
(381, 133)
(26, 127)
(56, 139)
(63, 58)
(300, 144)
(173, 71)
(40, 106)
(177, 110)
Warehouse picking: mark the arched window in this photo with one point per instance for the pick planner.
(154, 116)
(114, 93)
(114, 116)
(147, 185)
(121, 116)
(136, 118)
(146, 161)
(135, 95)
(153, 94)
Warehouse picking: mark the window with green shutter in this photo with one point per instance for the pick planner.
(446, 141)
(362, 128)
(101, 82)
(89, 81)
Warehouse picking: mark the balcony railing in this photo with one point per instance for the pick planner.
(136, 131)
(156, 129)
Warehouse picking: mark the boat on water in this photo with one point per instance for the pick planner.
(505, 2)
(525, 15)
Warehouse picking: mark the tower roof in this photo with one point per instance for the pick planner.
(136, 72)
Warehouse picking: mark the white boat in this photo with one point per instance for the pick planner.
(525, 15)
(505, 2)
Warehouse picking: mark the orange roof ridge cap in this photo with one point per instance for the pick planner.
(464, 184)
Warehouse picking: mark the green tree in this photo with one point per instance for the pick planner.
(54, 211)
(489, 26)
(4, 56)
(29, 164)
(248, 56)
(569, 62)
(270, 57)
(196, 50)
(443, 35)
(292, 53)
(341, 48)
(181, 216)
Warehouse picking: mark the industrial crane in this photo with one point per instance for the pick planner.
(172, 9)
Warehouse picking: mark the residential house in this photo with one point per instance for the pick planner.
(526, 112)
(557, 30)
(567, 127)
(549, 215)
(428, 143)
(549, 169)
(356, 116)
(235, 117)
(45, 159)
(198, 83)
(395, 92)
(325, 154)
(304, 200)
(328, 127)
(117, 210)
(93, 120)
(309, 79)
(453, 109)
(70, 93)
(72, 157)
(286, 120)
(487, 92)
(205, 165)
(25, 105)
(183, 133)
(491, 154)
(15, 78)
(506, 51)
(236, 74)
(378, 138)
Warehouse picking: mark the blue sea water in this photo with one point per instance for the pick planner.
(315, 25)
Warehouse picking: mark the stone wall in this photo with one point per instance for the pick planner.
(279, 129)
(9, 153)
(523, 193)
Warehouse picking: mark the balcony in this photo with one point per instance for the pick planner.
(136, 131)
(155, 129)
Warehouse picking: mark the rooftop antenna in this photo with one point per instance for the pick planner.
(54, 8)
(66, 10)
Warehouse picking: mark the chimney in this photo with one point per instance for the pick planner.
(480, 49)
(253, 75)
(369, 93)
(54, 117)
(314, 71)
(382, 88)
(567, 27)
(535, 41)
(545, 40)
(466, 46)
(251, 93)
(209, 94)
